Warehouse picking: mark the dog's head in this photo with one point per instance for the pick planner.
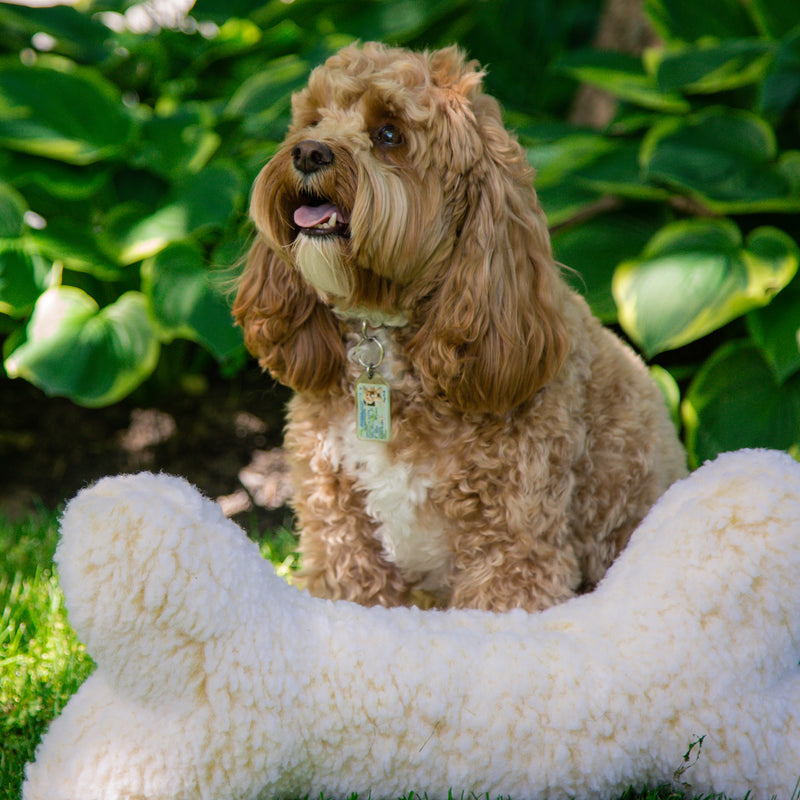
(398, 192)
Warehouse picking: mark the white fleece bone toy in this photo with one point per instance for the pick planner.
(215, 679)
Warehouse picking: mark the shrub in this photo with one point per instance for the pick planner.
(687, 209)
(127, 158)
(127, 153)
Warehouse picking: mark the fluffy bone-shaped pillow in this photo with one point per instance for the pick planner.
(216, 679)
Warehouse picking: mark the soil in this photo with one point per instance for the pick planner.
(224, 439)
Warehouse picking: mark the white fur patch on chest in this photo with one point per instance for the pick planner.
(411, 533)
(410, 530)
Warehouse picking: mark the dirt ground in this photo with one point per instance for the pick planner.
(225, 440)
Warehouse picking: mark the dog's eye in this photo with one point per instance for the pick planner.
(389, 136)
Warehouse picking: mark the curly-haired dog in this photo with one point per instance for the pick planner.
(402, 283)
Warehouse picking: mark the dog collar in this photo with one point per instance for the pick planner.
(373, 318)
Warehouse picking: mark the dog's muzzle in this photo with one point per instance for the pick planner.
(314, 214)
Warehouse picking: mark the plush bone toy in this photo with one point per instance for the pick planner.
(215, 679)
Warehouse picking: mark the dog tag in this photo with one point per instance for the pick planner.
(373, 408)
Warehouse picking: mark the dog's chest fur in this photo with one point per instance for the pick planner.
(396, 497)
(410, 530)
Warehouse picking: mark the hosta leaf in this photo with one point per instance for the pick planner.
(695, 276)
(202, 202)
(398, 21)
(735, 401)
(269, 86)
(76, 349)
(774, 17)
(66, 181)
(594, 249)
(559, 157)
(689, 20)
(75, 34)
(776, 331)
(264, 105)
(187, 302)
(725, 158)
(619, 173)
(221, 10)
(12, 211)
(781, 87)
(235, 35)
(558, 152)
(23, 277)
(178, 143)
(63, 113)
(622, 76)
(67, 241)
(564, 202)
(710, 68)
(670, 390)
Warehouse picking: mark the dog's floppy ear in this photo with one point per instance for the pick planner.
(492, 333)
(291, 332)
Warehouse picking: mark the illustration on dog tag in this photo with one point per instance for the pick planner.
(373, 408)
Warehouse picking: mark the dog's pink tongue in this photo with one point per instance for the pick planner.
(311, 216)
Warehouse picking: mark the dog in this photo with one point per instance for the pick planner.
(463, 432)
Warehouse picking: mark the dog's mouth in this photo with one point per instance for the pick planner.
(318, 216)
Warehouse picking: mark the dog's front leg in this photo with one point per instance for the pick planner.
(494, 576)
(509, 555)
(341, 559)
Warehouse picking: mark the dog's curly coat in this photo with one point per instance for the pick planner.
(525, 436)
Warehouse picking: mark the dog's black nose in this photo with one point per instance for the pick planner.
(310, 156)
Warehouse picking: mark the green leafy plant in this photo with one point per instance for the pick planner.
(126, 158)
(126, 154)
(90, 216)
(688, 212)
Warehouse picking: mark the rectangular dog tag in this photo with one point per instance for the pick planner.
(373, 408)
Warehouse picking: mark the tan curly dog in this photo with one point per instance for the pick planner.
(505, 444)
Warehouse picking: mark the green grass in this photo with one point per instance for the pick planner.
(41, 661)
